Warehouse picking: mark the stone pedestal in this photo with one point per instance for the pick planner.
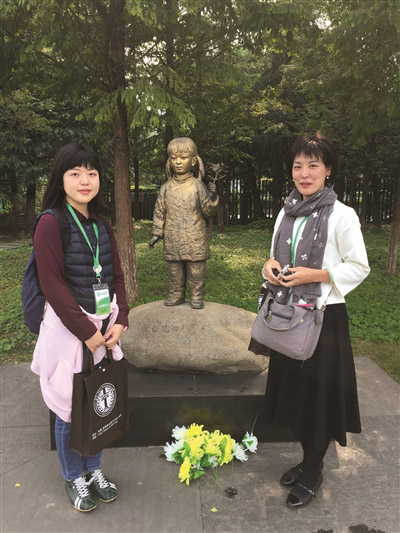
(159, 401)
(214, 339)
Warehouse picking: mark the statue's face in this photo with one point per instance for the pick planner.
(182, 163)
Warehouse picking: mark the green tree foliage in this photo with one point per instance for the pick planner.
(243, 78)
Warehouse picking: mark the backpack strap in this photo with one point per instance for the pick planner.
(62, 221)
(59, 213)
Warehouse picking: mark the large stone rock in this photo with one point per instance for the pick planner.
(213, 339)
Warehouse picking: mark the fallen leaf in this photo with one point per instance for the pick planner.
(17, 485)
(214, 509)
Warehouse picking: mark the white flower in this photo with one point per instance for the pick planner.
(171, 449)
(214, 461)
(238, 452)
(315, 214)
(279, 294)
(294, 201)
(289, 240)
(179, 432)
(250, 442)
(304, 257)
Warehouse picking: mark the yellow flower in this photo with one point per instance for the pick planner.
(184, 471)
(216, 436)
(193, 431)
(196, 449)
(228, 456)
(212, 447)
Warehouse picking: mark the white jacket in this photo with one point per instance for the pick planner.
(58, 356)
(345, 255)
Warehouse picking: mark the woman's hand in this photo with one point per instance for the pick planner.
(113, 335)
(269, 266)
(303, 275)
(95, 341)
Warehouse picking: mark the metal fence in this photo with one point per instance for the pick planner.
(241, 209)
(241, 205)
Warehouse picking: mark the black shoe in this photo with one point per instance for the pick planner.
(301, 495)
(291, 477)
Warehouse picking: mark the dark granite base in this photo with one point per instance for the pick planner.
(159, 401)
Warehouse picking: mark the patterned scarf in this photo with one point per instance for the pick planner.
(311, 246)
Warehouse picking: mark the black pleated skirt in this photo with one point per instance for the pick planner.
(316, 399)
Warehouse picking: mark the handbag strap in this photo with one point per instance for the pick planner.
(323, 306)
(89, 361)
(109, 354)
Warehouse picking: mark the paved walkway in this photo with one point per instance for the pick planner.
(360, 493)
(9, 245)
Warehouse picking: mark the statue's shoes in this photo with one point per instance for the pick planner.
(174, 301)
(196, 304)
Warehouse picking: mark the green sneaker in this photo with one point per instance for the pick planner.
(79, 494)
(101, 487)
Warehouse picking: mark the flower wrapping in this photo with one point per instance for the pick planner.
(196, 449)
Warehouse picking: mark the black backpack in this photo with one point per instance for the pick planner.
(32, 296)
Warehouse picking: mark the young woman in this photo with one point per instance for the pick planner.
(319, 238)
(71, 323)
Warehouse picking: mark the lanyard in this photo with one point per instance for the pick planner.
(293, 243)
(96, 264)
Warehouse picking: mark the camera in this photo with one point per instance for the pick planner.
(283, 272)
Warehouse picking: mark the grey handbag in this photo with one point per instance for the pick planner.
(290, 329)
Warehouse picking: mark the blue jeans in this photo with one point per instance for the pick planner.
(72, 464)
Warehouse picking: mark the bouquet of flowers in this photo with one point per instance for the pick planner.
(196, 449)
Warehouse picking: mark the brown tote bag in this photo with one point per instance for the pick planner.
(99, 405)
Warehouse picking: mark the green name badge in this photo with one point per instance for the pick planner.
(102, 299)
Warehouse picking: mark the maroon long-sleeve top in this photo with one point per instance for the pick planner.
(50, 264)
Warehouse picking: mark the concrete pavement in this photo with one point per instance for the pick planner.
(360, 492)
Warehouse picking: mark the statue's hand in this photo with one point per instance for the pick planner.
(153, 241)
(212, 187)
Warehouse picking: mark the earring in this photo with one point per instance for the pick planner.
(327, 177)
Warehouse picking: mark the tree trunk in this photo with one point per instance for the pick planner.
(169, 58)
(30, 203)
(364, 201)
(113, 215)
(255, 192)
(339, 187)
(136, 207)
(370, 151)
(376, 208)
(244, 201)
(277, 190)
(394, 232)
(221, 205)
(14, 196)
(122, 196)
(354, 180)
(123, 207)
